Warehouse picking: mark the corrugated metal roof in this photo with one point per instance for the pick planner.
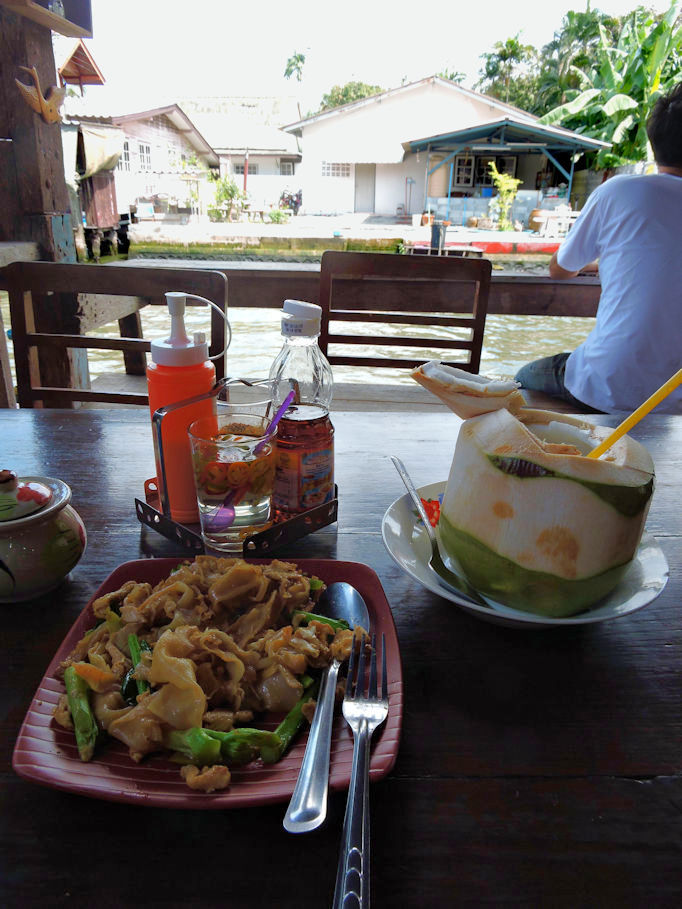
(239, 123)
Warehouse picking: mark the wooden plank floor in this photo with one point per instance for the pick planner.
(348, 396)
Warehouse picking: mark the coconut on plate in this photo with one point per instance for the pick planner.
(530, 520)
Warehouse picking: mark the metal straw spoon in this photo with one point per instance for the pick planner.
(446, 578)
(308, 806)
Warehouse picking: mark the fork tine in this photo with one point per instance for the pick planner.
(351, 672)
(373, 669)
(360, 681)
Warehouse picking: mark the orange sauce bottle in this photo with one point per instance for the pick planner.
(180, 369)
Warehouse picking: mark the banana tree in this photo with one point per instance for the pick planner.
(618, 92)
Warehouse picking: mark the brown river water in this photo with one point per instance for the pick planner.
(509, 342)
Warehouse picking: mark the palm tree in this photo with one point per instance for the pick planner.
(294, 67)
(500, 65)
(616, 93)
(574, 46)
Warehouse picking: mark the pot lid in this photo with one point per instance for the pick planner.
(23, 497)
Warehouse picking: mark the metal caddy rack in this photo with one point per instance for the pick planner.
(155, 512)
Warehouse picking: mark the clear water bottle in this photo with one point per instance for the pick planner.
(300, 365)
(305, 436)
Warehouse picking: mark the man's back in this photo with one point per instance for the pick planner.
(633, 225)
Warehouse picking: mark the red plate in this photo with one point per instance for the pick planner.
(46, 753)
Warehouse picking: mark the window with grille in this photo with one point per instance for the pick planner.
(145, 153)
(124, 160)
(334, 169)
(239, 168)
(286, 168)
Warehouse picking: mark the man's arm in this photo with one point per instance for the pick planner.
(560, 274)
(556, 271)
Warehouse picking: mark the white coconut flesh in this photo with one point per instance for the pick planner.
(465, 393)
(535, 524)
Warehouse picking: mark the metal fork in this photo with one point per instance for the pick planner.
(364, 714)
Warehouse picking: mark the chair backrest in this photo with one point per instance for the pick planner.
(46, 293)
(442, 297)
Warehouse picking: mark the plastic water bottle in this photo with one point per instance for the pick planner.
(180, 369)
(305, 438)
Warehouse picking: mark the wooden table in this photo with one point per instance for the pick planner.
(536, 768)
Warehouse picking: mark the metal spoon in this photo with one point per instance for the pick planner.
(446, 578)
(308, 806)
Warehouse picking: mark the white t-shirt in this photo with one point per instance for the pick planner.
(633, 225)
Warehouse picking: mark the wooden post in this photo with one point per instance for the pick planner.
(34, 199)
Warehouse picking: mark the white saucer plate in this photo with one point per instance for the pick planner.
(408, 545)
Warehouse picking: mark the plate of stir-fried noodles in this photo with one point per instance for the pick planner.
(190, 683)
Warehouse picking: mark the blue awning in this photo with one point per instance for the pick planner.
(507, 136)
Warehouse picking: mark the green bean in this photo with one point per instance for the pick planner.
(84, 723)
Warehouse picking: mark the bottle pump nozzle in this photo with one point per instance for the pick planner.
(176, 307)
(179, 349)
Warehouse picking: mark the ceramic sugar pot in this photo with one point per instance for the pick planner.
(41, 536)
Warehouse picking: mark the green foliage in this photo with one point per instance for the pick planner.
(294, 66)
(506, 71)
(618, 88)
(345, 94)
(228, 198)
(277, 216)
(507, 187)
(571, 49)
(453, 75)
(592, 50)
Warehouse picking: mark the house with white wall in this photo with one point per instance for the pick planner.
(159, 161)
(381, 154)
(251, 146)
(164, 159)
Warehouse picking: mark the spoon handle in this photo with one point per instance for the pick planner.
(414, 495)
(308, 806)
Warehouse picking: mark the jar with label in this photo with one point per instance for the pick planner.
(305, 438)
(305, 460)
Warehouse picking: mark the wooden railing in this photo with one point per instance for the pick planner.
(532, 295)
(249, 288)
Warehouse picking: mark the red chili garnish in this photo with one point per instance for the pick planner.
(26, 493)
(432, 509)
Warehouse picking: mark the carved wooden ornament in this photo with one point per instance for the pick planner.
(48, 105)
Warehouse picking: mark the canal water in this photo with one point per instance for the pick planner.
(509, 342)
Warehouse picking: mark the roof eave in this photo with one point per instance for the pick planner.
(189, 130)
(297, 127)
(555, 138)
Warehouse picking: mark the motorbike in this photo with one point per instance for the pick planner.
(292, 201)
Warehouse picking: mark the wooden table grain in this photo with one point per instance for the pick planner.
(536, 768)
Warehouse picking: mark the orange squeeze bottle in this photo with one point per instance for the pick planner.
(180, 369)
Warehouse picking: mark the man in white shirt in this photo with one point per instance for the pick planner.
(633, 225)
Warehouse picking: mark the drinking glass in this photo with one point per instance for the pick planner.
(233, 456)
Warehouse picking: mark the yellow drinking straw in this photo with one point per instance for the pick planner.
(635, 417)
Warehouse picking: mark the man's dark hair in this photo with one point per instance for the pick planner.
(664, 128)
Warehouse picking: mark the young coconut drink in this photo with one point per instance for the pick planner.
(530, 520)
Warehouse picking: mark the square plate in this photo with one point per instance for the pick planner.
(46, 753)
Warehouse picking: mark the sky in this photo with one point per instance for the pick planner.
(156, 51)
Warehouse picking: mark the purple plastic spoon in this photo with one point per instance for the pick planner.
(225, 514)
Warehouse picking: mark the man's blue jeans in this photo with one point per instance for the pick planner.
(547, 375)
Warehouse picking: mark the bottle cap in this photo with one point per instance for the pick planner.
(179, 349)
(300, 318)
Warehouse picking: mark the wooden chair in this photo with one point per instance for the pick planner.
(73, 299)
(434, 293)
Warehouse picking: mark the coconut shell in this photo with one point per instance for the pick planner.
(535, 524)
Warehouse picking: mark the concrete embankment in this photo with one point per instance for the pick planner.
(305, 238)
